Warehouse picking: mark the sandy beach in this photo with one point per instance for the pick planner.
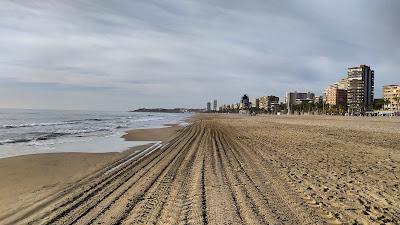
(159, 134)
(238, 170)
(31, 178)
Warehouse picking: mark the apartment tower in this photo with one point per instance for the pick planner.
(273, 103)
(215, 105)
(208, 106)
(335, 96)
(294, 98)
(360, 91)
(391, 95)
(255, 103)
(244, 102)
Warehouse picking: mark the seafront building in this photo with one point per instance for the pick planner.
(244, 102)
(215, 105)
(334, 96)
(255, 103)
(272, 103)
(318, 99)
(360, 91)
(343, 83)
(391, 96)
(295, 98)
(263, 102)
(208, 109)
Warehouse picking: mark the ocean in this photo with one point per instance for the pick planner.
(25, 132)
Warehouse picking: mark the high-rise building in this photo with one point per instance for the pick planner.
(263, 102)
(360, 91)
(244, 102)
(343, 83)
(272, 103)
(299, 97)
(334, 96)
(391, 95)
(255, 103)
(293, 98)
(208, 106)
(215, 105)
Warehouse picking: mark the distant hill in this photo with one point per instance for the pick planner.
(162, 110)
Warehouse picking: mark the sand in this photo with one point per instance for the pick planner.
(159, 134)
(27, 179)
(244, 170)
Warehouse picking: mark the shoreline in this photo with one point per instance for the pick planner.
(37, 132)
(29, 178)
(221, 164)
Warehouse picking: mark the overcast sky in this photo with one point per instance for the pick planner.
(122, 54)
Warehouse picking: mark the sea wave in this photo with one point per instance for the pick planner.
(52, 135)
(24, 125)
(28, 130)
(148, 119)
(11, 126)
(11, 141)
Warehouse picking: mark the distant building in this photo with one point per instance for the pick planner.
(263, 102)
(272, 103)
(343, 83)
(269, 103)
(215, 105)
(208, 107)
(294, 98)
(244, 102)
(360, 92)
(255, 103)
(391, 96)
(334, 96)
(318, 99)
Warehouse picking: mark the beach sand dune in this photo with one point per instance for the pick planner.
(242, 170)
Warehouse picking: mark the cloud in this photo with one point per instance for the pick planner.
(182, 53)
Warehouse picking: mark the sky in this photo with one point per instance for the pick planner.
(124, 54)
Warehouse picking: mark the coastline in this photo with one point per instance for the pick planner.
(38, 132)
(29, 178)
(286, 166)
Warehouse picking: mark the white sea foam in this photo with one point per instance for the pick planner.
(30, 132)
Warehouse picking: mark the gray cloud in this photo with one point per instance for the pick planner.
(121, 54)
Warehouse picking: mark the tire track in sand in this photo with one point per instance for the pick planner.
(206, 175)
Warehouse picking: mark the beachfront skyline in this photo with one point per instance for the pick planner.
(121, 55)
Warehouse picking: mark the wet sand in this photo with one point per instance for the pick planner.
(160, 134)
(27, 179)
(244, 170)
